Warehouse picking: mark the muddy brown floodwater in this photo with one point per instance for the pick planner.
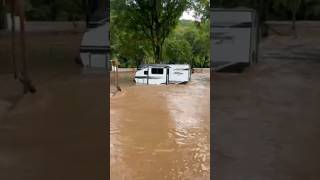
(161, 132)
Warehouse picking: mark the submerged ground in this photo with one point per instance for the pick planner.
(161, 132)
(266, 120)
(59, 132)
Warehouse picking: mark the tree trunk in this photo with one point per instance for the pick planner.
(53, 10)
(263, 14)
(2, 14)
(157, 53)
(294, 19)
(85, 8)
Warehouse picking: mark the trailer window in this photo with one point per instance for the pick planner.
(157, 71)
(145, 72)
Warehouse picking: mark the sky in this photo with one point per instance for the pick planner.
(187, 15)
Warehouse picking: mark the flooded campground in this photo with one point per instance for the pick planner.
(161, 132)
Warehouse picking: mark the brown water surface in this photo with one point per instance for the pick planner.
(161, 132)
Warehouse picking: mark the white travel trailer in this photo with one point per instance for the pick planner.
(94, 49)
(234, 37)
(95, 44)
(163, 74)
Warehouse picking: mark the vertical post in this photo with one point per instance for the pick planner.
(148, 76)
(86, 7)
(114, 72)
(13, 39)
(117, 77)
(28, 87)
(257, 31)
(167, 75)
(22, 40)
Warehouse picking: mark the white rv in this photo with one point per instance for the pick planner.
(94, 49)
(95, 45)
(163, 74)
(234, 37)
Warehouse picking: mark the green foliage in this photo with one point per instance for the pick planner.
(133, 42)
(201, 9)
(178, 51)
(53, 10)
(152, 20)
(127, 45)
(292, 5)
(312, 8)
(198, 39)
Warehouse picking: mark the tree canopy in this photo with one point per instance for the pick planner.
(152, 19)
(144, 31)
(53, 10)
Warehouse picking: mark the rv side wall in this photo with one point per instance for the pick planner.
(179, 73)
(232, 36)
(94, 49)
(158, 75)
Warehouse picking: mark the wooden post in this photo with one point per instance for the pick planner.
(115, 64)
(25, 80)
(13, 39)
(117, 75)
(114, 72)
(22, 38)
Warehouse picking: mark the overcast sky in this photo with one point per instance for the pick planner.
(187, 15)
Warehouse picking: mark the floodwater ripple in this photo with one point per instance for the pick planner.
(161, 132)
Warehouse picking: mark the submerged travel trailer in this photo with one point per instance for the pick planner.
(95, 48)
(163, 74)
(234, 37)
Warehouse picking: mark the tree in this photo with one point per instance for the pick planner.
(201, 9)
(129, 46)
(293, 5)
(311, 8)
(2, 14)
(53, 10)
(153, 19)
(178, 50)
(188, 44)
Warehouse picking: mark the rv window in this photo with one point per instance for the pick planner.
(145, 72)
(157, 71)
